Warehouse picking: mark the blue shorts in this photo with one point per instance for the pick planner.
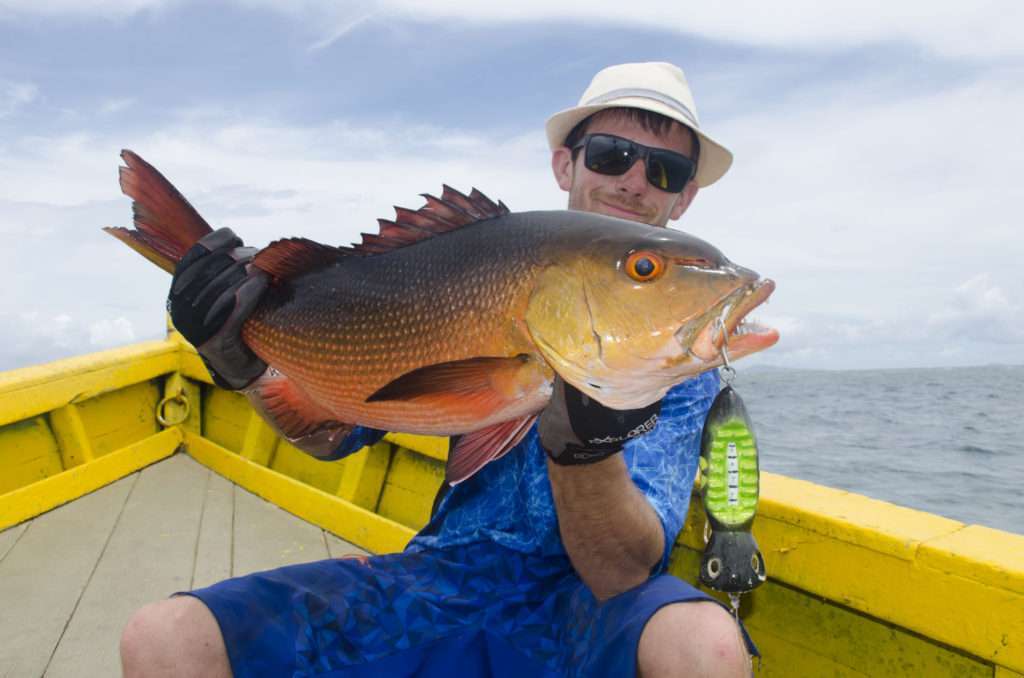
(474, 610)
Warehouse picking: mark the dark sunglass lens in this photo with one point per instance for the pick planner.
(669, 171)
(609, 155)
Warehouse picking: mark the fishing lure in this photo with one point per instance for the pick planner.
(729, 479)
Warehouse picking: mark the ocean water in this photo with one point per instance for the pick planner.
(945, 440)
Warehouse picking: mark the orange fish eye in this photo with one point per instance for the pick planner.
(644, 266)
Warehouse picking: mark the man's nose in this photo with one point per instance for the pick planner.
(634, 181)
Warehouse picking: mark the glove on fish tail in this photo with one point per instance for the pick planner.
(167, 224)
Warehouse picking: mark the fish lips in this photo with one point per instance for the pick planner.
(724, 322)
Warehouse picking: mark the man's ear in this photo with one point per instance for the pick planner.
(561, 165)
(685, 198)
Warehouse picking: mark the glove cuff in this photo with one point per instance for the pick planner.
(574, 429)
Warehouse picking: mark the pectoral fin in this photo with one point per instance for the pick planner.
(481, 384)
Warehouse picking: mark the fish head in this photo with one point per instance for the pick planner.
(628, 314)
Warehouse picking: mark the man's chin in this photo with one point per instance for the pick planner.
(612, 210)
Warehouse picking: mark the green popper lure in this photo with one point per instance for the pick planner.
(729, 479)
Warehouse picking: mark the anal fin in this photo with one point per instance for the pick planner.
(475, 450)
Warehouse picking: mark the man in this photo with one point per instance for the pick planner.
(547, 562)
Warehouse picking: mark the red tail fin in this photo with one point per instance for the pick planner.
(167, 224)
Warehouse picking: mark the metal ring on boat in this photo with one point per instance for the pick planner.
(179, 398)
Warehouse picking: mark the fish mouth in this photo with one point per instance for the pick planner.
(728, 327)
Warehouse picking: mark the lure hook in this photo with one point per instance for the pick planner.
(728, 371)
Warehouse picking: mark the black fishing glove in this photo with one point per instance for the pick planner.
(211, 296)
(576, 429)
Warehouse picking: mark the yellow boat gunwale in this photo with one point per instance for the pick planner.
(935, 580)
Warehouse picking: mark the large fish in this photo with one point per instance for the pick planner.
(455, 318)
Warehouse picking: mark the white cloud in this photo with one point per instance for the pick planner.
(979, 309)
(965, 29)
(57, 330)
(105, 8)
(868, 218)
(265, 181)
(986, 29)
(37, 336)
(116, 105)
(870, 205)
(111, 332)
(15, 95)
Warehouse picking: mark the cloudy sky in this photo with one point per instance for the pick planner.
(879, 150)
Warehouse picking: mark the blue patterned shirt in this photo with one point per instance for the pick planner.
(509, 501)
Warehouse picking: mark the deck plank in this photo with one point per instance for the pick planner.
(216, 533)
(44, 574)
(169, 527)
(267, 536)
(9, 537)
(150, 555)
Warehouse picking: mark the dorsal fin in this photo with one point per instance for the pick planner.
(290, 257)
(450, 212)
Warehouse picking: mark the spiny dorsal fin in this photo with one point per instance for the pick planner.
(290, 257)
(450, 212)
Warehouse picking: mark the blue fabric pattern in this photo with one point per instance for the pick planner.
(509, 501)
(473, 610)
(358, 438)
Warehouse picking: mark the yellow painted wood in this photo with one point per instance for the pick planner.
(121, 417)
(193, 391)
(72, 438)
(430, 446)
(352, 523)
(32, 500)
(851, 518)
(783, 659)
(28, 454)
(410, 488)
(226, 417)
(293, 462)
(405, 506)
(192, 366)
(890, 569)
(981, 553)
(1002, 672)
(363, 475)
(821, 628)
(31, 391)
(259, 441)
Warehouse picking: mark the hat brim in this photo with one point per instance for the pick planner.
(714, 161)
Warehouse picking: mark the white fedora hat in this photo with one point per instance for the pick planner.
(652, 86)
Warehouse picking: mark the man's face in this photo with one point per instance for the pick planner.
(628, 196)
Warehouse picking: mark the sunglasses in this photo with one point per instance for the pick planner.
(613, 156)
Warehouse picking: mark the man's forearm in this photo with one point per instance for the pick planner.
(610, 531)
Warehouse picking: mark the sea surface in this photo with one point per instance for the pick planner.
(945, 440)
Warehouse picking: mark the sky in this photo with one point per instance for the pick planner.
(878, 148)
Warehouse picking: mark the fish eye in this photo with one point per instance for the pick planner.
(644, 266)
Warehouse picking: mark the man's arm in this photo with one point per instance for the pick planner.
(612, 535)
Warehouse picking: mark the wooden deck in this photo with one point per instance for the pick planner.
(70, 578)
